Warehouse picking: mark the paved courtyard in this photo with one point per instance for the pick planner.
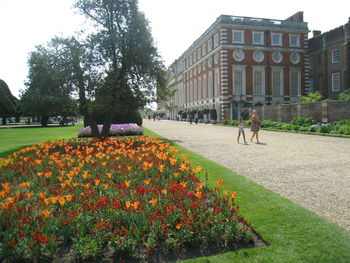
(313, 171)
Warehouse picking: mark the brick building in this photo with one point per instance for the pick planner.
(329, 55)
(237, 59)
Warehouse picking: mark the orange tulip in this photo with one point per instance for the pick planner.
(220, 182)
(197, 169)
(233, 194)
(127, 204)
(46, 213)
(148, 181)
(176, 174)
(127, 183)
(153, 201)
(178, 226)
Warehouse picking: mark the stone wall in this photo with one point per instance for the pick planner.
(321, 111)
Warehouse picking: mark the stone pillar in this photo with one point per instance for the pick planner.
(324, 112)
(299, 110)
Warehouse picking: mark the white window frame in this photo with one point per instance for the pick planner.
(262, 70)
(244, 81)
(204, 50)
(205, 86)
(280, 39)
(297, 44)
(335, 88)
(216, 40)
(298, 71)
(261, 35)
(242, 36)
(280, 70)
(335, 56)
(216, 82)
(210, 45)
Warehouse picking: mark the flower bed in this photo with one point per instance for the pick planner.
(115, 130)
(129, 198)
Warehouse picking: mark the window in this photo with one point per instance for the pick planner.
(217, 82)
(295, 83)
(258, 38)
(205, 90)
(311, 85)
(203, 51)
(216, 40)
(210, 84)
(294, 40)
(195, 87)
(277, 82)
(335, 81)
(335, 56)
(199, 54)
(258, 82)
(210, 45)
(276, 39)
(200, 88)
(238, 36)
(239, 82)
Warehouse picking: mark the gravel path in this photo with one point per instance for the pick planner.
(313, 171)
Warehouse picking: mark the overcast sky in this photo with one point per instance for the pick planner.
(175, 24)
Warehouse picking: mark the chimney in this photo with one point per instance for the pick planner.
(297, 17)
(316, 33)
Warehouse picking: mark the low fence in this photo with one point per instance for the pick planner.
(325, 111)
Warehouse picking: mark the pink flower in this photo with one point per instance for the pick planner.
(190, 193)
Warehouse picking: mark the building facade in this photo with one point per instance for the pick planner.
(241, 59)
(329, 55)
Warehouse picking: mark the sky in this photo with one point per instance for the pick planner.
(175, 24)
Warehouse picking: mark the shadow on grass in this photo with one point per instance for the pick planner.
(11, 151)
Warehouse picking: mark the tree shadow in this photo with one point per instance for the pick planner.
(11, 151)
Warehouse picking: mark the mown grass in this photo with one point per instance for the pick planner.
(14, 139)
(294, 233)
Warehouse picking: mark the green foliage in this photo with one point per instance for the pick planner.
(271, 124)
(206, 111)
(200, 114)
(303, 121)
(8, 102)
(312, 97)
(327, 128)
(342, 122)
(345, 129)
(234, 122)
(345, 95)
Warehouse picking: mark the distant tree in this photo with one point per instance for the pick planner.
(345, 95)
(311, 97)
(46, 94)
(8, 102)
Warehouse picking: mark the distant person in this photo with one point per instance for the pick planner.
(255, 123)
(190, 119)
(196, 120)
(241, 129)
(154, 117)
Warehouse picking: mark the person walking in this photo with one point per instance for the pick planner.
(255, 123)
(241, 129)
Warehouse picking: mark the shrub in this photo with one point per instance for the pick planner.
(200, 114)
(234, 122)
(184, 115)
(342, 122)
(206, 111)
(271, 124)
(327, 128)
(314, 128)
(226, 122)
(312, 97)
(287, 126)
(303, 128)
(303, 121)
(345, 129)
(345, 95)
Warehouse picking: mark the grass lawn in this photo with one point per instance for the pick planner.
(294, 233)
(13, 139)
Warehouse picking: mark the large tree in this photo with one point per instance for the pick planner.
(8, 102)
(47, 92)
(123, 49)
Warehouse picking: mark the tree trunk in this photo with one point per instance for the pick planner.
(3, 120)
(44, 121)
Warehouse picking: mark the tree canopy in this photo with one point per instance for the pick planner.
(8, 102)
(115, 68)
